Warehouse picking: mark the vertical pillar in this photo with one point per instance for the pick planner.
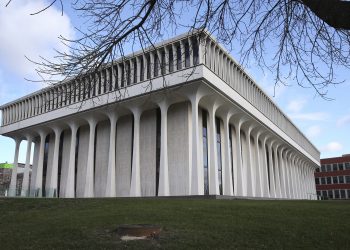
(70, 185)
(195, 182)
(89, 177)
(135, 189)
(271, 172)
(163, 189)
(110, 185)
(238, 182)
(53, 178)
(258, 167)
(213, 153)
(227, 170)
(249, 169)
(277, 172)
(13, 183)
(264, 173)
(39, 170)
(25, 183)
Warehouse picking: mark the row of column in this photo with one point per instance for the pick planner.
(166, 59)
(261, 165)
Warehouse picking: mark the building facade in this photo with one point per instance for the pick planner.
(5, 179)
(180, 118)
(333, 178)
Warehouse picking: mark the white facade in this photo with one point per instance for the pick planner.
(180, 119)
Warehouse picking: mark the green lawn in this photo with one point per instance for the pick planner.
(193, 223)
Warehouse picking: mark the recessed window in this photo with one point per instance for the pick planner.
(329, 168)
(335, 179)
(329, 180)
(323, 181)
(330, 194)
(342, 194)
(323, 168)
(341, 166)
(347, 179)
(324, 193)
(336, 194)
(335, 167)
(341, 179)
(347, 165)
(317, 181)
(317, 170)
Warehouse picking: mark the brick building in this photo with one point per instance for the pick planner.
(333, 178)
(5, 179)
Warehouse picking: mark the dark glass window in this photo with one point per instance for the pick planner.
(323, 181)
(330, 194)
(341, 166)
(347, 166)
(122, 78)
(110, 77)
(336, 194)
(317, 181)
(162, 63)
(329, 180)
(156, 64)
(135, 71)
(218, 141)
(318, 193)
(342, 194)
(148, 59)
(115, 71)
(127, 72)
(323, 168)
(317, 170)
(205, 153)
(348, 193)
(142, 69)
(341, 179)
(324, 193)
(335, 179)
(347, 179)
(335, 167)
(329, 168)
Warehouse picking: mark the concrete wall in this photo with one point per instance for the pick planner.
(65, 160)
(123, 155)
(178, 145)
(82, 159)
(101, 160)
(148, 141)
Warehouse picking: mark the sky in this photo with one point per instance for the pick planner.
(325, 123)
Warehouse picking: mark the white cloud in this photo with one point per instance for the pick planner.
(313, 131)
(296, 105)
(332, 147)
(24, 35)
(343, 121)
(314, 116)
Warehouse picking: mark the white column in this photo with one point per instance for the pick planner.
(271, 171)
(227, 168)
(25, 183)
(195, 182)
(163, 189)
(258, 167)
(135, 189)
(53, 178)
(70, 185)
(283, 175)
(110, 185)
(89, 178)
(13, 183)
(238, 175)
(249, 169)
(264, 173)
(277, 172)
(39, 171)
(213, 153)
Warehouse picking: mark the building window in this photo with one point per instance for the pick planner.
(336, 194)
(329, 180)
(335, 167)
(347, 165)
(171, 59)
(142, 69)
(317, 181)
(335, 179)
(347, 179)
(348, 193)
(178, 57)
(205, 152)
(187, 54)
(317, 170)
(323, 168)
(330, 194)
(195, 51)
(318, 193)
(341, 179)
(156, 64)
(324, 193)
(323, 181)
(329, 168)
(342, 194)
(218, 141)
(341, 166)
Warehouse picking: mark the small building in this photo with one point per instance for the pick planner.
(333, 178)
(5, 179)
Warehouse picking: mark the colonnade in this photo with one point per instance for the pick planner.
(252, 160)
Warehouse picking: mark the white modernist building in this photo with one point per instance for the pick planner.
(180, 118)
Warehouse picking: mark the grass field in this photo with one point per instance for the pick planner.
(192, 223)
